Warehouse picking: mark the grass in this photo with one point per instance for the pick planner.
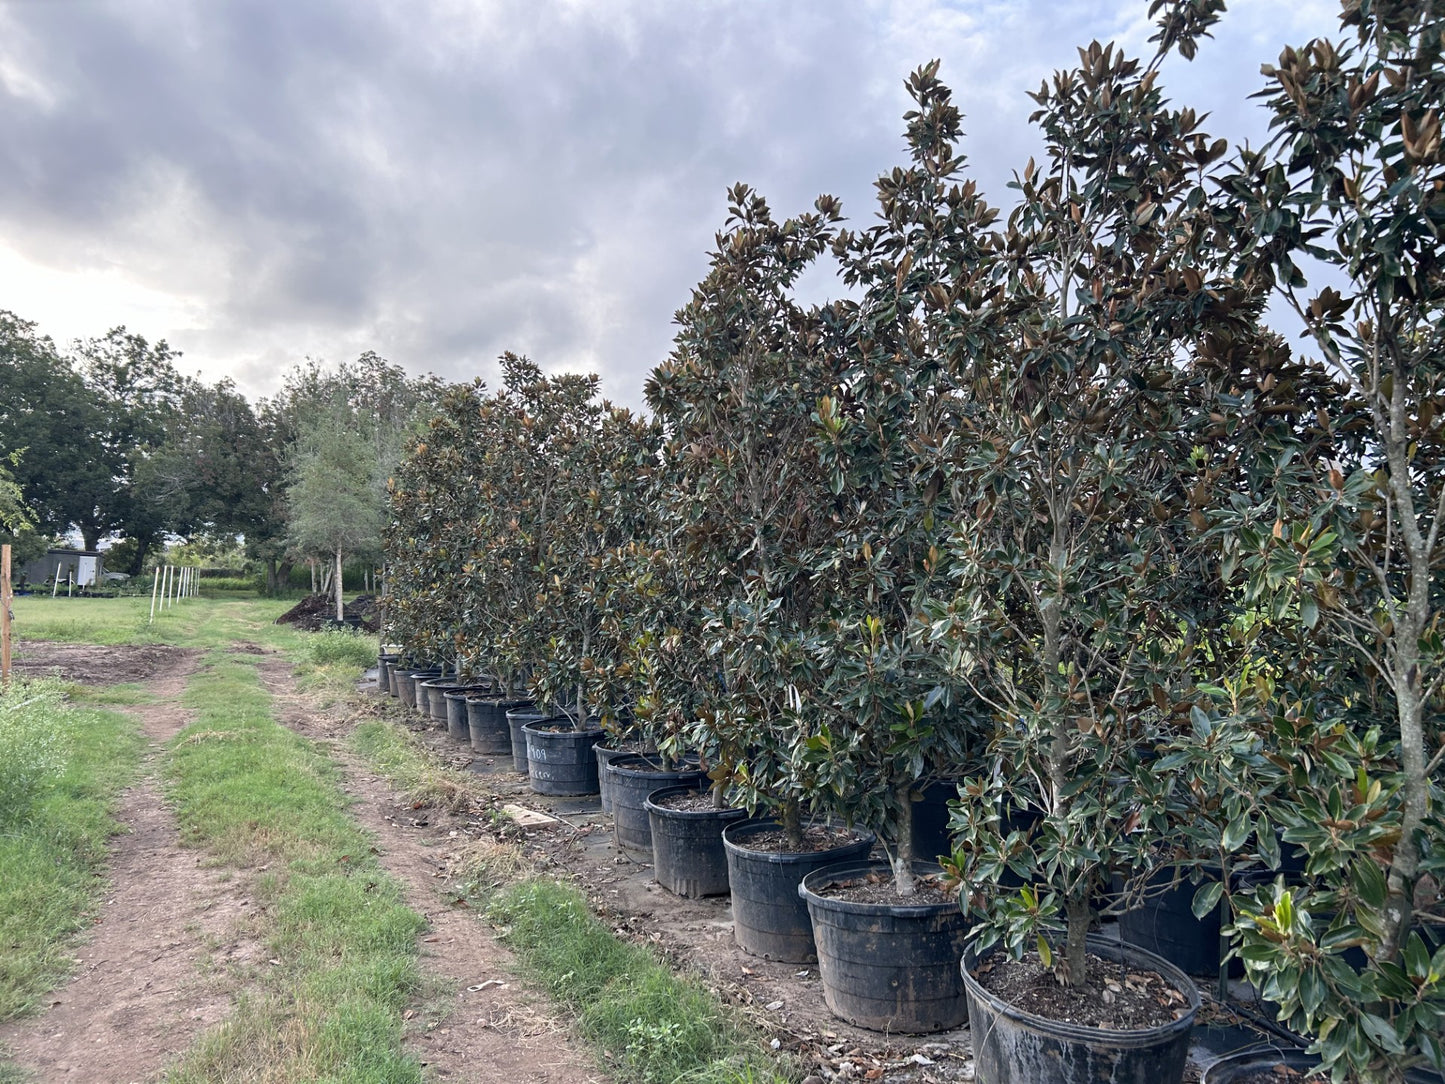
(52, 852)
(651, 1025)
(255, 795)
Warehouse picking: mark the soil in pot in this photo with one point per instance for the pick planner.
(688, 857)
(1131, 1026)
(769, 917)
(560, 759)
(888, 962)
(1270, 1064)
(632, 777)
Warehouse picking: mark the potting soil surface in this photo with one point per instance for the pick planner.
(1114, 997)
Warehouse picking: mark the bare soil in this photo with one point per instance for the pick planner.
(478, 1025)
(87, 664)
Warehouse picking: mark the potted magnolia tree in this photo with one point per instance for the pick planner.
(1342, 550)
(736, 395)
(889, 934)
(1073, 602)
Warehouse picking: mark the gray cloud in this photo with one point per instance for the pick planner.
(442, 181)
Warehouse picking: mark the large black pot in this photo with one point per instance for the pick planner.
(458, 724)
(769, 918)
(687, 846)
(518, 717)
(560, 762)
(1165, 925)
(407, 681)
(385, 660)
(632, 777)
(435, 692)
(1259, 1061)
(606, 753)
(1015, 1047)
(887, 966)
(487, 721)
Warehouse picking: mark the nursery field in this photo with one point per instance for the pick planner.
(291, 876)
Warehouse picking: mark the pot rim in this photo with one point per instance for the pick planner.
(808, 886)
(530, 729)
(786, 857)
(1133, 1037)
(730, 813)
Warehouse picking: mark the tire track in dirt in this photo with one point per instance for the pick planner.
(161, 962)
(468, 1036)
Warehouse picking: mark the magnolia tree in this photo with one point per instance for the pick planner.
(433, 537)
(602, 461)
(1346, 545)
(891, 719)
(1074, 614)
(749, 495)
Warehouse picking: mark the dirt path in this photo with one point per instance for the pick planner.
(161, 963)
(479, 1026)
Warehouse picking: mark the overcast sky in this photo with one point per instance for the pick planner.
(257, 181)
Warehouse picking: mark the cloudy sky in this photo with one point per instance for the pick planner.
(257, 181)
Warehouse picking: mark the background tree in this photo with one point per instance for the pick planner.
(47, 415)
(137, 391)
(336, 493)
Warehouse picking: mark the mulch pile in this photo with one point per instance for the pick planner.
(316, 612)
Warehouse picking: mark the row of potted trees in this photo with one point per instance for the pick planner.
(1042, 509)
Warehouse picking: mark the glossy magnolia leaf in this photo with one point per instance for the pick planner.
(1206, 899)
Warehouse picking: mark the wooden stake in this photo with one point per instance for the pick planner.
(5, 617)
(155, 590)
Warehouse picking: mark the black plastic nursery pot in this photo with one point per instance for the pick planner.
(525, 712)
(688, 858)
(560, 762)
(458, 715)
(1262, 1062)
(1015, 1047)
(487, 725)
(491, 733)
(435, 692)
(407, 682)
(605, 753)
(1165, 925)
(769, 917)
(384, 662)
(632, 777)
(887, 966)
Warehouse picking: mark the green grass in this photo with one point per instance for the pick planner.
(255, 795)
(52, 854)
(653, 1025)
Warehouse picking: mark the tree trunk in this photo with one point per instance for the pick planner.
(311, 564)
(904, 883)
(340, 606)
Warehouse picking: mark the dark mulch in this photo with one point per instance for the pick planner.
(1116, 997)
(316, 612)
(692, 801)
(815, 838)
(878, 888)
